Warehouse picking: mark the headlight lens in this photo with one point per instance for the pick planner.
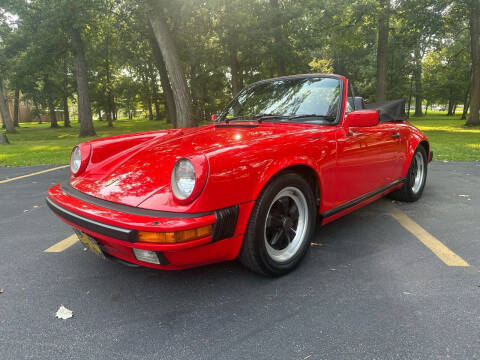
(75, 160)
(183, 179)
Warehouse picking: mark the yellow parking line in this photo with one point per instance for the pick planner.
(62, 245)
(32, 174)
(430, 241)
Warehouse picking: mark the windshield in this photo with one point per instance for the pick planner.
(316, 98)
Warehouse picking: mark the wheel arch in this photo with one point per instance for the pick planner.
(413, 145)
(306, 171)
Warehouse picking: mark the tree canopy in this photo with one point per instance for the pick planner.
(183, 59)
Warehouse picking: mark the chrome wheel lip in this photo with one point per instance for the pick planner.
(286, 254)
(418, 176)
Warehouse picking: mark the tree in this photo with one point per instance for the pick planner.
(474, 27)
(7, 120)
(4, 111)
(382, 49)
(183, 102)
(16, 105)
(84, 109)
(164, 81)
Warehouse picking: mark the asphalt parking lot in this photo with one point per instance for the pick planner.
(368, 289)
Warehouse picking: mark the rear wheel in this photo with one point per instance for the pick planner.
(414, 184)
(280, 226)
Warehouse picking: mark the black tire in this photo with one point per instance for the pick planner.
(256, 253)
(408, 192)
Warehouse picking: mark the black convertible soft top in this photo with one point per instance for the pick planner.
(389, 111)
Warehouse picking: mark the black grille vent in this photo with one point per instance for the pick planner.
(224, 227)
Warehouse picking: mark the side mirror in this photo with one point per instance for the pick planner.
(361, 118)
(213, 117)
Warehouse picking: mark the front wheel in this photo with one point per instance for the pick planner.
(280, 226)
(414, 184)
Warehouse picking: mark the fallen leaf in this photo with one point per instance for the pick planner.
(407, 293)
(332, 269)
(306, 357)
(64, 313)
(464, 195)
(35, 206)
(316, 244)
(1, 291)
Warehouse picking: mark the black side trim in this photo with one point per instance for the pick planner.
(431, 156)
(68, 189)
(120, 261)
(357, 201)
(163, 260)
(100, 228)
(224, 227)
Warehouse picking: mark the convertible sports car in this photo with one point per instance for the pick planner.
(284, 153)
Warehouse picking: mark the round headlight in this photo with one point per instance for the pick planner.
(75, 160)
(183, 179)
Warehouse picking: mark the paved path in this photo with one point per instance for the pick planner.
(372, 290)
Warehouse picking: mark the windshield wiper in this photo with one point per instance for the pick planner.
(261, 117)
(329, 118)
(257, 117)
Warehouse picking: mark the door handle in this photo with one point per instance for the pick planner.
(396, 135)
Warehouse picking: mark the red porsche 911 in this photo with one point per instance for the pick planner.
(251, 185)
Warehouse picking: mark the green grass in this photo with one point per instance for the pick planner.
(36, 144)
(449, 139)
(39, 144)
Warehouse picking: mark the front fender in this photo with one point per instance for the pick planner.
(281, 165)
(414, 140)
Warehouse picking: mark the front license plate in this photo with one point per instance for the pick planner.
(89, 242)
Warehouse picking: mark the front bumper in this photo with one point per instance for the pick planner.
(115, 227)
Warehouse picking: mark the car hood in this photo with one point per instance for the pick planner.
(136, 173)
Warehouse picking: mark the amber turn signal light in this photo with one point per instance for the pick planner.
(175, 237)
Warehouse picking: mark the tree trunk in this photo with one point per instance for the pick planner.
(108, 86)
(278, 38)
(418, 81)
(237, 81)
(382, 50)
(156, 99)
(51, 106)
(6, 118)
(16, 106)
(410, 96)
(84, 110)
(450, 108)
(149, 105)
(181, 94)
(66, 113)
(474, 118)
(466, 104)
(37, 112)
(100, 115)
(4, 139)
(165, 83)
(426, 107)
(51, 112)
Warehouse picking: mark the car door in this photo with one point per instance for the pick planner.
(360, 162)
(368, 158)
(393, 148)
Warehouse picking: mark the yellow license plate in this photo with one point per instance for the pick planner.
(90, 243)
